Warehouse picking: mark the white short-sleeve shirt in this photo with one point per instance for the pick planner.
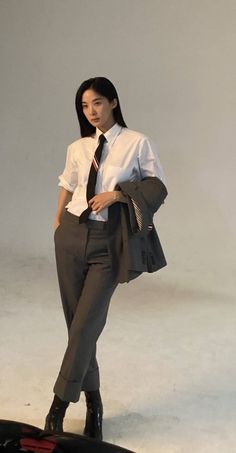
(127, 156)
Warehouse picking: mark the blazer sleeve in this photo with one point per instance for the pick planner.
(149, 194)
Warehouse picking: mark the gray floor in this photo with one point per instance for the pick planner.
(167, 357)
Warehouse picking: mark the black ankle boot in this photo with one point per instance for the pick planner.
(93, 424)
(54, 419)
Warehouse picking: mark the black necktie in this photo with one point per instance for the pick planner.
(93, 177)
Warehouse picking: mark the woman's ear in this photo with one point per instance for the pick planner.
(114, 103)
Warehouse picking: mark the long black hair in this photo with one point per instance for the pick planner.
(105, 88)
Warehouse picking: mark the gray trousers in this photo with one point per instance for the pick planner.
(86, 283)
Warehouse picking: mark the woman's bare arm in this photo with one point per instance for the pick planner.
(63, 199)
(98, 202)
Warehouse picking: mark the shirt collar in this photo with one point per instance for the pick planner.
(110, 135)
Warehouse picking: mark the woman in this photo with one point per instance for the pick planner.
(88, 237)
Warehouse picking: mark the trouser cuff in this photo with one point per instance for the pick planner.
(70, 390)
(91, 381)
(67, 390)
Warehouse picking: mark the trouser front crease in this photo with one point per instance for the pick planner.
(86, 283)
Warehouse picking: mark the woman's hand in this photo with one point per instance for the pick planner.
(103, 200)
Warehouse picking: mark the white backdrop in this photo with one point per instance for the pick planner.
(173, 63)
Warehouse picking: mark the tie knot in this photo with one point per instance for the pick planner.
(102, 139)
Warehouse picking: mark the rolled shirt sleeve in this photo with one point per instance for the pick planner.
(149, 162)
(69, 178)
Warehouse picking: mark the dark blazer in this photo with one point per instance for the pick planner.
(134, 244)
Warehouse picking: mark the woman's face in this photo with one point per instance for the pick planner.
(98, 110)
